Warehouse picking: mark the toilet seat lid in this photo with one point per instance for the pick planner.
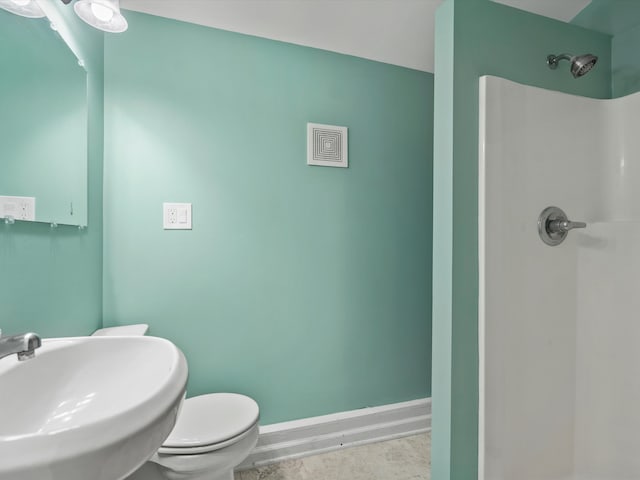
(213, 418)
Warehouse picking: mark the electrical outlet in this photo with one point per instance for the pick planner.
(172, 215)
(23, 210)
(18, 208)
(176, 216)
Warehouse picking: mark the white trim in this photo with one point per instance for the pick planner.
(310, 436)
(482, 206)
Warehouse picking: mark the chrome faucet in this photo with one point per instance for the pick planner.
(24, 345)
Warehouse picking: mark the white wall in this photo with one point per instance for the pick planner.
(541, 310)
(608, 352)
(622, 168)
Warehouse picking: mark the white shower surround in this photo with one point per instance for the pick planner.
(559, 326)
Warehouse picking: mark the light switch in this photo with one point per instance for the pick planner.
(183, 215)
(176, 216)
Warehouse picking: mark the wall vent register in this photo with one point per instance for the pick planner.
(327, 145)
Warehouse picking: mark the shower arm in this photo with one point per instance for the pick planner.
(552, 60)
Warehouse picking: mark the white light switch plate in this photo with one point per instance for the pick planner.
(176, 216)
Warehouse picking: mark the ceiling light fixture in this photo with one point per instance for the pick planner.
(101, 14)
(25, 8)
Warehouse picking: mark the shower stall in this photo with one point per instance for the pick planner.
(559, 326)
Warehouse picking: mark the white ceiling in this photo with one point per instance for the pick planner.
(399, 32)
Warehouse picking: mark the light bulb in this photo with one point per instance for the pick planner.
(25, 8)
(102, 13)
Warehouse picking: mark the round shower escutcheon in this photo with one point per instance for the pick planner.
(553, 226)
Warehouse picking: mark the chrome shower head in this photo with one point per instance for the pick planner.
(580, 64)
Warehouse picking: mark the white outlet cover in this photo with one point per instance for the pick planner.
(18, 208)
(176, 216)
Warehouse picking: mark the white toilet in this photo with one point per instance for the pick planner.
(213, 434)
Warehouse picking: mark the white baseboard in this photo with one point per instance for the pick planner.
(310, 436)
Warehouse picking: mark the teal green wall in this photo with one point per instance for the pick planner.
(609, 16)
(51, 280)
(475, 38)
(622, 20)
(625, 60)
(307, 288)
(442, 243)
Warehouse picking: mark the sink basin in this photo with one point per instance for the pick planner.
(88, 408)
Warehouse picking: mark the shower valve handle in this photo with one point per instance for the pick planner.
(553, 226)
(561, 226)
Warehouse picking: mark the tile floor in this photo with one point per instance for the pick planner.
(405, 458)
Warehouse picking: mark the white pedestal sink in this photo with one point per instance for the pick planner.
(88, 408)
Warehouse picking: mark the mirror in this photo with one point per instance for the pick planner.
(43, 124)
